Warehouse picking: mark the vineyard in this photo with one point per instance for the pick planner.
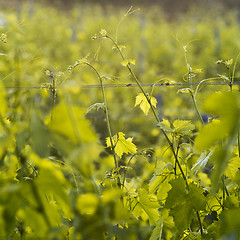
(119, 123)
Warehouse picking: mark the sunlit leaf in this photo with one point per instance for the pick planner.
(128, 61)
(143, 102)
(121, 47)
(165, 125)
(233, 167)
(70, 121)
(183, 127)
(122, 145)
(202, 161)
(103, 32)
(157, 231)
(185, 90)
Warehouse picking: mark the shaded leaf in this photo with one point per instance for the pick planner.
(225, 106)
(149, 206)
(183, 202)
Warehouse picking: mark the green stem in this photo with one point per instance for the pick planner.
(195, 106)
(200, 223)
(125, 171)
(225, 191)
(107, 116)
(190, 76)
(175, 165)
(53, 90)
(152, 108)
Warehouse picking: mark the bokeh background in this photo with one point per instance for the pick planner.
(164, 37)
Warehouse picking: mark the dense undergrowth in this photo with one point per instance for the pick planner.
(93, 162)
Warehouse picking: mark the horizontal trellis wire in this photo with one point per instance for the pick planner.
(130, 85)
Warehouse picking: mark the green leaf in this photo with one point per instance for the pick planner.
(103, 32)
(157, 231)
(121, 47)
(149, 206)
(136, 208)
(35, 221)
(70, 122)
(183, 127)
(201, 162)
(185, 90)
(40, 136)
(183, 202)
(229, 63)
(230, 223)
(219, 160)
(97, 106)
(177, 194)
(3, 37)
(161, 176)
(143, 102)
(122, 145)
(225, 106)
(3, 106)
(128, 62)
(87, 203)
(233, 167)
(165, 125)
(163, 190)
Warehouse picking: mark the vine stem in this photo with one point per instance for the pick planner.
(152, 108)
(53, 90)
(196, 107)
(200, 223)
(107, 117)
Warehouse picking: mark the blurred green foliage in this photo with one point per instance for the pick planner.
(58, 179)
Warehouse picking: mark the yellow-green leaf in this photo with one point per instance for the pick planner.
(87, 203)
(150, 206)
(122, 145)
(165, 125)
(225, 106)
(128, 61)
(183, 127)
(142, 101)
(185, 90)
(103, 32)
(3, 37)
(119, 46)
(233, 167)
